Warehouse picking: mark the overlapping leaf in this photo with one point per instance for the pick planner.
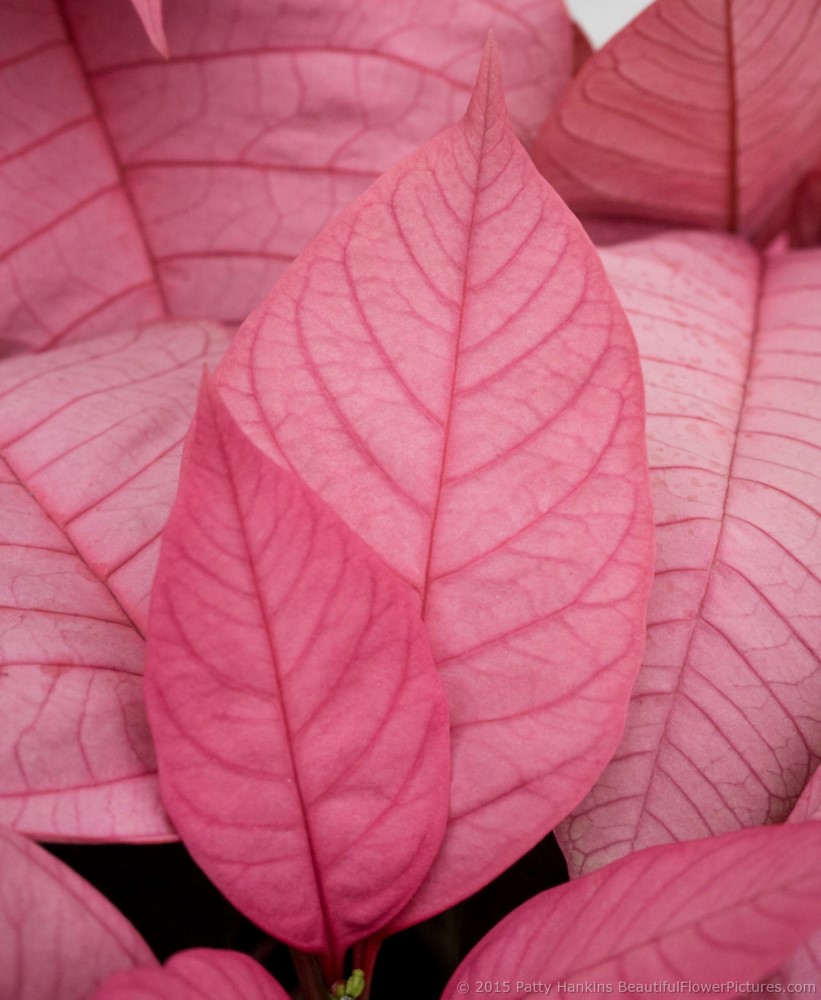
(301, 727)
(150, 13)
(808, 805)
(804, 967)
(59, 938)
(716, 911)
(90, 443)
(449, 368)
(202, 973)
(725, 723)
(697, 113)
(134, 187)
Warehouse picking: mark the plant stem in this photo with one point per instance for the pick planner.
(309, 975)
(364, 958)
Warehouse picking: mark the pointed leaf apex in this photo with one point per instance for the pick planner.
(151, 14)
(487, 105)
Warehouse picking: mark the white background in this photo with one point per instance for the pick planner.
(600, 19)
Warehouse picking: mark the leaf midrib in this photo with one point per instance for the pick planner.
(698, 618)
(469, 236)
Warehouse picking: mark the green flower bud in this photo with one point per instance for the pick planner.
(350, 989)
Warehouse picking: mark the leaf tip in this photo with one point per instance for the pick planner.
(487, 104)
(151, 14)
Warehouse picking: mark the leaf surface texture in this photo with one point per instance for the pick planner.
(724, 727)
(89, 456)
(453, 343)
(300, 724)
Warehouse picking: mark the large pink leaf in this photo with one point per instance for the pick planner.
(202, 973)
(301, 727)
(90, 443)
(725, 723)
(59, 938)
(716, 911)
(698, 112)
(449, 368)
(200, 176)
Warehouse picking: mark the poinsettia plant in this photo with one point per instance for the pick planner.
(386, 486)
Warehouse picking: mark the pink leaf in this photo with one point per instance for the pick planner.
(710, 912)
(449, 368)
(805, 222)
(697, 113)
(150, 13)
(202, 973)
(805, 965)
(725, 722)
(282, 113)
(203, 175)
(300, 724)
(73, 258)
(90, 443)
(59, 938)
(808, 805)
(582, 49)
